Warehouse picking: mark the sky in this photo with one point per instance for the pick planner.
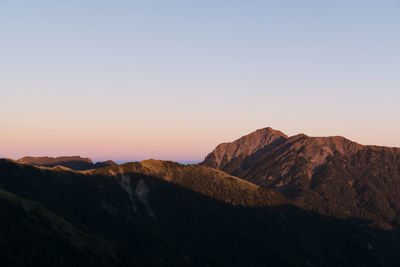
(132, 80)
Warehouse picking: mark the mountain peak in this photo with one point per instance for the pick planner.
(331, 174)
(244, 146)
(267, 131)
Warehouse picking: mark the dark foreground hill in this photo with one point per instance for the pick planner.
(33, 236)
(331, 175)
(157, 213)
(76, 163)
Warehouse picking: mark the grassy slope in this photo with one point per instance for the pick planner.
(202, 217)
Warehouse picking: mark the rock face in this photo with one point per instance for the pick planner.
(331, 175)
(226, 153)
(76, 163)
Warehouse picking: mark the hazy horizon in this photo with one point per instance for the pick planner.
(121, 161)
(171, 80)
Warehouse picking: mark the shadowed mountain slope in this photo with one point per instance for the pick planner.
(158, 213)
(32, 235)
(331, 175)
(76, 163)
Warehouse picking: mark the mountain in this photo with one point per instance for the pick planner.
(160, 213)
(206, 181)
(102, 164)
(331, 175)
(32, 235)
(76, 163)
(227, 153)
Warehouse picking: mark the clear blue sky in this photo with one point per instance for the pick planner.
(130, 80)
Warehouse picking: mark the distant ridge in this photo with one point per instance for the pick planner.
(332, 175)
(76, 163)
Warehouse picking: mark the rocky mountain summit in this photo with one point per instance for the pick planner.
(245, 146)
(331, 175)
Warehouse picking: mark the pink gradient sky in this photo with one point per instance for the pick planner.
(172, 79)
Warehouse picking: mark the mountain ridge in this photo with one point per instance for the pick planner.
(204, 180)
(76, 163)
(332, 175)
(253, 141)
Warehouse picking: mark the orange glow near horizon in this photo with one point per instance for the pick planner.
(191, 145)
(173, 80)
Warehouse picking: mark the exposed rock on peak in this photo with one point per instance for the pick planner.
(332, 175)
(244, 146)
